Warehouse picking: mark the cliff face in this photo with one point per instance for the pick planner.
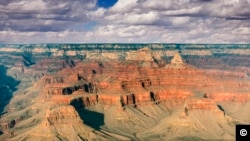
(62, 115)
(230, 97)
(176, 62)
(202, 104)
(61, 123)
(92, 92)
(130, 83)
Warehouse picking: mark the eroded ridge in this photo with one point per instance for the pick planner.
(140, 96)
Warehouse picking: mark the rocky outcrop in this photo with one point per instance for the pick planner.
(6, 126)
(62, 115)
(128, 83)
(143, 54)
(229, 97)
(61, 123)
(176, 62)
(202, 104)
(177, 95)
(131, 90)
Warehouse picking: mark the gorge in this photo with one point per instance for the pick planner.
(125, 91)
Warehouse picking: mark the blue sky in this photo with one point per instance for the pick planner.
(106, 3)
(125, 21)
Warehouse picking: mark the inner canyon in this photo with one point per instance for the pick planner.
(62, 92)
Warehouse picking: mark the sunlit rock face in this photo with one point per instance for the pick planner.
(177, 59)
(202, 104)
(143, 54)
(125, 92)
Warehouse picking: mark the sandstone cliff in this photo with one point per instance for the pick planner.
(89, 92)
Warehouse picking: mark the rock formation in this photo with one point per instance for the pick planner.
(177, 62)
(143, 54)
(147, 94)
(62, 115)
(202, 104)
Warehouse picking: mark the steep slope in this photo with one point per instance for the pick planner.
(204, 121)
(61, 123)
(130, 95)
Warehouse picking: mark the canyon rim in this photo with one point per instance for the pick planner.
(124, 91)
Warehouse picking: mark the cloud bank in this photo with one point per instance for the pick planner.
(127, 21)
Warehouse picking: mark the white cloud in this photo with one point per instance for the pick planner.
(154, 4)
(99, 13)
(187, 21)
(27, 5)
(146, 18)
(180, 20)
(124, 6)
(134, 18)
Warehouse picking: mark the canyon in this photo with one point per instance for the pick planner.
(124, 91)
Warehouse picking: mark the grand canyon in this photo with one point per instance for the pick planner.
(178, 92)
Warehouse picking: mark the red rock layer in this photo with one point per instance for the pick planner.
(62, 115)
(233, 97)
(202, 104)
(134, 83)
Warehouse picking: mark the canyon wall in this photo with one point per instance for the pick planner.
(124, 80)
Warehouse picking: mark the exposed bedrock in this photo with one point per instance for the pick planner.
(203, 104)
(116, 83)
(129, 95)
(62, 115)
(230, 97)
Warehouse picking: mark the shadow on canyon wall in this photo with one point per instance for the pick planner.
(91, 118)
(7, 87)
